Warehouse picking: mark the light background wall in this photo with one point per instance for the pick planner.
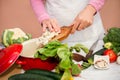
(18, 13)
(110, 14)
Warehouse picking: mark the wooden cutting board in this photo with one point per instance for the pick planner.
(11, 71)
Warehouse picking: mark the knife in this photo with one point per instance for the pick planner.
(91, 50)
(78, 57)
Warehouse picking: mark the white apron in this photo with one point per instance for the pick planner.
(65, 11)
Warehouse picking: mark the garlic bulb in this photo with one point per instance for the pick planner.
(118, 58)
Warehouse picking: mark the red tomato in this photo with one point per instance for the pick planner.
(112, 55)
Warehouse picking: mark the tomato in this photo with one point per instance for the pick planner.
(112, 55)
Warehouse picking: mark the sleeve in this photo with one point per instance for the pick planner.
(97, 4)
(39, 9)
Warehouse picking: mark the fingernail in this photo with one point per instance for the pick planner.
(43, 30)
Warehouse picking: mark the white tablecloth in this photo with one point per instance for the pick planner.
(113, 73)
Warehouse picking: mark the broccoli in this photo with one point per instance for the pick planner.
(113, 37)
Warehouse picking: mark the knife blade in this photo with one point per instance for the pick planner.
(92, 48)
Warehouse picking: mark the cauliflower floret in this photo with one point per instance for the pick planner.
(46, 37)
(18, 33)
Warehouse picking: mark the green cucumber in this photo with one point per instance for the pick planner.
(54, 75)
(99, 52)
(29, 77)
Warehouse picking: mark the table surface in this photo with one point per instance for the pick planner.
(15, 69)
(113, 73)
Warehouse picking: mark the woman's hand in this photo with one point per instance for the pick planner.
(84, 19)
(51, 24)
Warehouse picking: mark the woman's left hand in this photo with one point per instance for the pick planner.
(83, 19)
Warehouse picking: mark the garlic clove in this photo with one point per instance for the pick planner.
(118, 60)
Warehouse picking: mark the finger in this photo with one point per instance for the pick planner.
(50, 27)
(57, 28)
(82, 26)
(74, 27)
(72, 23)
(55, 25)
(44, 27)
(90, 23)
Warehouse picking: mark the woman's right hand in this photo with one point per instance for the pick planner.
(51, 24)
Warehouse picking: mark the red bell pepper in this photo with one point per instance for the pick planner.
(112, 55)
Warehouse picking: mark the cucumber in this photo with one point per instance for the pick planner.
(54, 75)
(99, 52)
(29, 77)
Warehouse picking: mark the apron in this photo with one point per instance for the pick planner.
(65, 11)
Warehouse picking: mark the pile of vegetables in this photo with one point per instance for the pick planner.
(63, 54)
(111, 47)
(112, 43)
(112, 39)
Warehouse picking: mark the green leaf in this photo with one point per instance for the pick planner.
(29, 36)
(50, 53)
(9, 37)
(53, 44)
(63, 52)
(65, 63)
(90, 60)
(85, 65)
(42, 57)
(81, 46)
(66, 75)
(76, 70)
(41, 50)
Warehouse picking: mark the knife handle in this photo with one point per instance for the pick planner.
(89, 54)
